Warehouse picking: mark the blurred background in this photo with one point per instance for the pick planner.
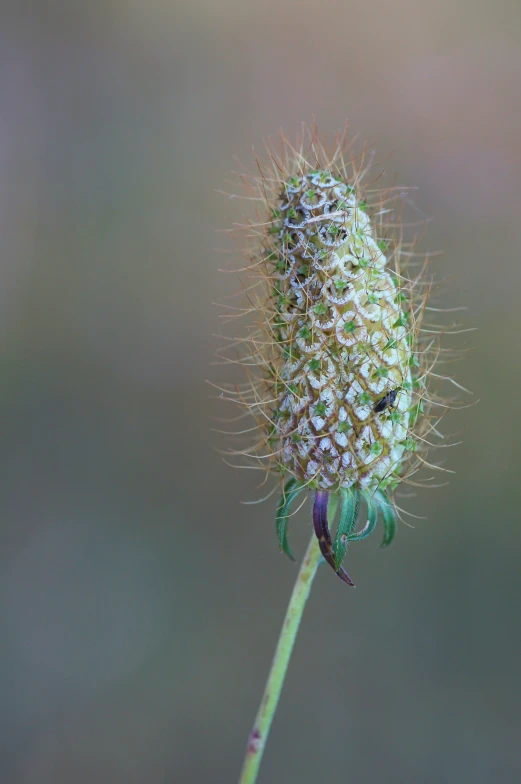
(140, 602)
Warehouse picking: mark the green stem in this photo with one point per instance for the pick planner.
(279, 666)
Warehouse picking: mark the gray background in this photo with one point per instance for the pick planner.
(140, 601)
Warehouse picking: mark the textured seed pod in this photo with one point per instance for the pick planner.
(342, 336)
(336, 364)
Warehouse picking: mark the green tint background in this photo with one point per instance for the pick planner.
(140, 601)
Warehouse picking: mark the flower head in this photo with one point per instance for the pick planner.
(337, 365)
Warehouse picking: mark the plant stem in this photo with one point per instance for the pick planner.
(279, 666)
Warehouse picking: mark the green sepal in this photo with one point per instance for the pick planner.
(290, 492)
(372, 518)
(348, 516)
(332, 507)
(389, 517)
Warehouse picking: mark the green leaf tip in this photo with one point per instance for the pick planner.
(291, 490)
(348, 516)
(377, 503)
(372, 517)
(389, 517)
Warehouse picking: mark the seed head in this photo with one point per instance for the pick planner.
(337, 366)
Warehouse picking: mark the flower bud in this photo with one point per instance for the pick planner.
(341, 381)
(336, 363)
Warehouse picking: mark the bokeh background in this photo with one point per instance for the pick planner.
(140, 601)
